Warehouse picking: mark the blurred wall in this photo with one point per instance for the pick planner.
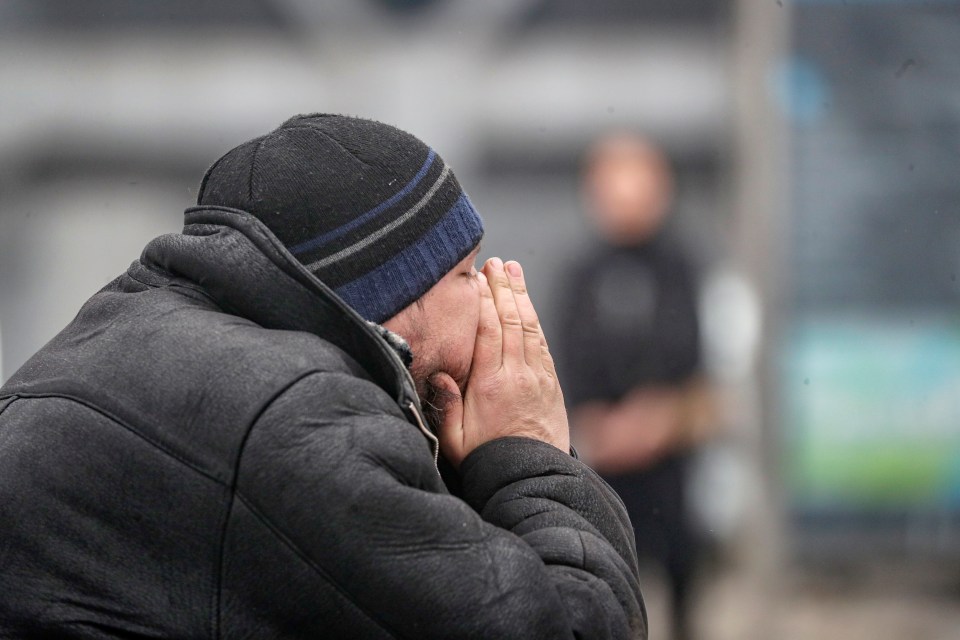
(112, 110)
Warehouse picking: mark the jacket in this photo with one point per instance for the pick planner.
(219, 447)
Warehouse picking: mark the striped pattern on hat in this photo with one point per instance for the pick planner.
(369, 209)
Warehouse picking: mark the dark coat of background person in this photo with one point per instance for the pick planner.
(632, 323)
(217, 446)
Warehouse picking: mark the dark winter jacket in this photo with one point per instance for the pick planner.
(633, 324)
(218, 447)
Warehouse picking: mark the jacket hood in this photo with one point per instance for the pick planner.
(235, 260)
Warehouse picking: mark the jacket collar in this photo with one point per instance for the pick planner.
(236, 261)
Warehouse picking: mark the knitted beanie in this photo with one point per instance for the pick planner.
(370, 210)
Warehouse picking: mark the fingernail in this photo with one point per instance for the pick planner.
(482, 277)
(513, 268)
(497, 263)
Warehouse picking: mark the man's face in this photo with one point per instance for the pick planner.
(628, 187)
(441, 327)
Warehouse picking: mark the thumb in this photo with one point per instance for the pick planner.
(448, 399)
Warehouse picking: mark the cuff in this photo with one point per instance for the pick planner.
(501, 462)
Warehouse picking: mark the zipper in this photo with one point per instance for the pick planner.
(434, 442)
(414, 409)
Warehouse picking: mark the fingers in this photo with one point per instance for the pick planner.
(521, 337)
(488, 349)
(533, 340)
(507, 311)
(548, 362)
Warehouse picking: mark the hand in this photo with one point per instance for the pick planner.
(588, 423)
(512, 389)
(640, 430)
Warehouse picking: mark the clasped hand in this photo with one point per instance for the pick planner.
(512, 389)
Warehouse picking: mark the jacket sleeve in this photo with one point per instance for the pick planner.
(338, 509)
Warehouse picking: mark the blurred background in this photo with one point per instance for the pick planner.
(816, 152)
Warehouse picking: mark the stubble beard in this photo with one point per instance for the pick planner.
(429, 359)
(435, 399)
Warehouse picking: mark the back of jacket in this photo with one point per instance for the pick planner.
(118, 452)
(189, 458)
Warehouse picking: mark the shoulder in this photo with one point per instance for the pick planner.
(676, 249)
(170, 327)
(172, 366)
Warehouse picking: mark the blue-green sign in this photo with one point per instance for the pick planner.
(872, 413)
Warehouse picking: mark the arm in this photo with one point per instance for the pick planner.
(645, 426)
(354, 508)
(512, 413)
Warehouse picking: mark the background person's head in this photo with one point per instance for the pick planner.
(628, 188)
(377, 216)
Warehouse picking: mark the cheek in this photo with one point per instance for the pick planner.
(470, 318)
(473, 304)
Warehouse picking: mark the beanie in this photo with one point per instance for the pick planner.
(370, 210)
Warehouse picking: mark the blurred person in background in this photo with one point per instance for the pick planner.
(630, 346)
(229, 440)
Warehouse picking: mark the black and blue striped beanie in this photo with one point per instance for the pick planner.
(370, 210)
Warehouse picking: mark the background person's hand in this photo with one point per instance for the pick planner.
(636, 432)
(513, 388)
(644, 427)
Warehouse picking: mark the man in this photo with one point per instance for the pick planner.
(228, 442)
(631, 350)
